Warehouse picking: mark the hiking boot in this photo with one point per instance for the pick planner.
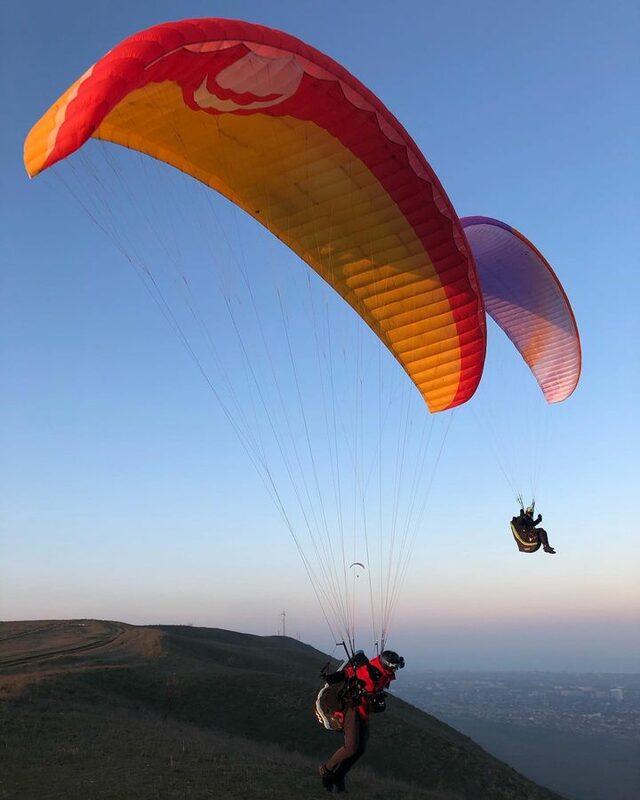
(338, 786)
(549, 549)
(327, 777)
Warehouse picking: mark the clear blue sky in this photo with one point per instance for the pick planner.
(125, 494)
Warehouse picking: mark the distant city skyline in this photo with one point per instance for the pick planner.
(576, 734)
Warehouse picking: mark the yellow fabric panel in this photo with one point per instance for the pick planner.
(42, 137)
(302, 184)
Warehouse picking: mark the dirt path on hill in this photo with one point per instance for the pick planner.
(31, 651)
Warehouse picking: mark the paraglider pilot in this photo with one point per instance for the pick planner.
(365, 683)
(528, 524)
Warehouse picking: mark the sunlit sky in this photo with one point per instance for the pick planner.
(125, 493)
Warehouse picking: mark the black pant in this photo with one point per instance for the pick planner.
(542, 534)
(356, 734)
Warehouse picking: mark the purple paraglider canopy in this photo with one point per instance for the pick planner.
(523, 295)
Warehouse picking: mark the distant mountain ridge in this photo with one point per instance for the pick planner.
(94, 709)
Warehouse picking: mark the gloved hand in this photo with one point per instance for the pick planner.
(359, 659)
(377, 702)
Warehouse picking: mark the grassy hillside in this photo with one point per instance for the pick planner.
(104, 710)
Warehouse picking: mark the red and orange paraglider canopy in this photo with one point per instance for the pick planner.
(300, 144)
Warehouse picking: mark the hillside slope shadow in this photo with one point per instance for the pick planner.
(92, 709)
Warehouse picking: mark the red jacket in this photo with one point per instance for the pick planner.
(375, 679)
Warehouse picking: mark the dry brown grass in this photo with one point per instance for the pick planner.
(122, 756)
(32, 652)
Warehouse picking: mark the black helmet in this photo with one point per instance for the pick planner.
(391, 660)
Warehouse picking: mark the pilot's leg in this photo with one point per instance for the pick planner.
(545, 540)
